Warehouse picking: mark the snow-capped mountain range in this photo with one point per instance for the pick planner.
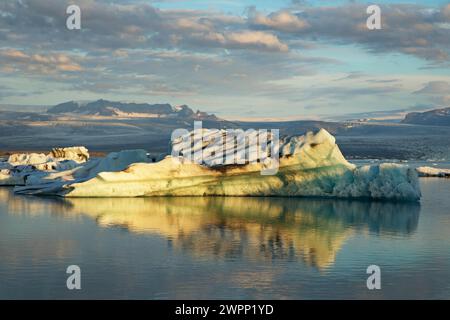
(114, 108)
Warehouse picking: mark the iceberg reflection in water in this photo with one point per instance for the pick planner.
(313, 230)
(220, 247)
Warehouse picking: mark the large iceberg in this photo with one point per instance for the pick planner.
(311, 166)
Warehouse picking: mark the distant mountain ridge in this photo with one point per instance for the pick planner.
(436, 117)
(113, 108)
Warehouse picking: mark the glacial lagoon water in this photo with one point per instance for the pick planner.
(225, 248)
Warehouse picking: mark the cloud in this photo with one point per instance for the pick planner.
(193, 24)
(438, 92)
(435, 88)
(446, 11)
(16, 60)
(406, 28)
(280, 20)
(131, 25)
(257, 39)
(410, 29)
(14, 54)
(351, 76)
(131, 48)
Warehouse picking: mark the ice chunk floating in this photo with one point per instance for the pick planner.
(311, 166)
(433, 172)
(16, 169)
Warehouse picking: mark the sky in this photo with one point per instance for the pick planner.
(252, 59)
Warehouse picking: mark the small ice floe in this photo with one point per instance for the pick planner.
(47, 182)
(433, 172)
(18, 166)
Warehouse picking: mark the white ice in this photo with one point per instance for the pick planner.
(433, 172)
(311, 165)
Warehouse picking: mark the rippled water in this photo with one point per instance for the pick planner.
(213, 248)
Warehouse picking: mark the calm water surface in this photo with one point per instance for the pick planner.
(213, 248)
